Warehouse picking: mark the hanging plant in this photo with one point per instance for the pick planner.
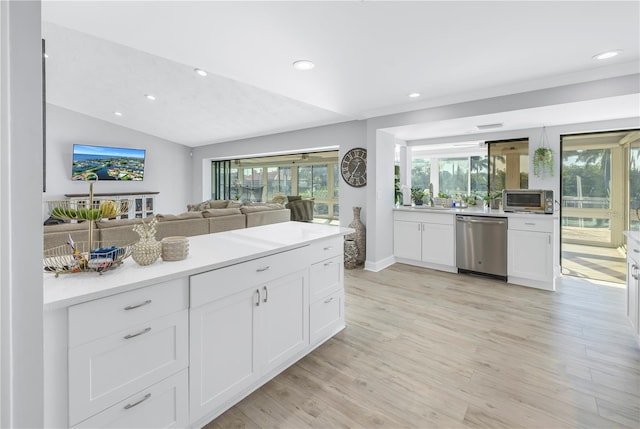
(543, 162)
(543, 158)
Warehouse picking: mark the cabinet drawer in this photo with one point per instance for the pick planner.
(163, 405)
(96, 319)
(531, 224)
(216, 284)
(104, 371)
(425, 217)
(326, 249)
(326, 276)
(326, 315)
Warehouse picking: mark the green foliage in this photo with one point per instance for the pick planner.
(417, 193)
(443, 195)
(543, 162)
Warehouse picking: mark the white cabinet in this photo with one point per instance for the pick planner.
(123, 344)
(140, 205)
(327, 291)
(239, 337)
(633, 286)
(425, 239)
(530, 252)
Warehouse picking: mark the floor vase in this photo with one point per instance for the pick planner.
(359, 236)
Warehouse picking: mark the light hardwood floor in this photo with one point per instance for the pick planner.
(427, 349)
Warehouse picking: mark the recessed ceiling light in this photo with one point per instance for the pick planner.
(606, 55)
(414, 95)
(200, 72)
(117, 113)
(489, 126)
(150, 97)
(303, 65)
(45, 55)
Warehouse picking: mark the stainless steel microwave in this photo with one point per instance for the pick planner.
(527, 200)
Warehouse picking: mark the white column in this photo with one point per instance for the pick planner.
(21, 345)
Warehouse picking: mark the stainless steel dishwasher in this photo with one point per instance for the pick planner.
(481, 245)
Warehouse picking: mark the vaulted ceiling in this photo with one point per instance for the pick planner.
(105, 56)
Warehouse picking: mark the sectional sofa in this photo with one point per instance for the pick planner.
(200, 219)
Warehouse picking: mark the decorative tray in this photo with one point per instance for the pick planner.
(75, 257)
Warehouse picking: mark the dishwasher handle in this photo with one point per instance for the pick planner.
(470, 219)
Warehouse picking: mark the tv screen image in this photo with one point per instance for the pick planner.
(108, 163)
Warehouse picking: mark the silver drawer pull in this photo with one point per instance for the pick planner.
(129, 336)
(326, 264)
(530, 223)
(327, 301)
(147, 396)
(259, 270)
(328, 248)
(133, 307)
(636, 251)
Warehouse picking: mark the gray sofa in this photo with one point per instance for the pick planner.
(187, 224)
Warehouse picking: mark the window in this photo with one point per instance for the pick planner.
(310, 175)
(508, 165)
(454, 175)
(420, 172)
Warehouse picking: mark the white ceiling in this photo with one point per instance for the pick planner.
(104, 56)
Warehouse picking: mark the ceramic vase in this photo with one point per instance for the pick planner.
(360, 236)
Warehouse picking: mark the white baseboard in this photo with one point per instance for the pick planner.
(379, 265)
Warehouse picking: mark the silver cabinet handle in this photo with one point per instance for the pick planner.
(326, 264)
(266, 294)
(258, 300)
(636, 251)
(328, 248)
(530, 223)
(144, 331)
(327, 301)
(133, 307)
(259, 270)
(147, 396)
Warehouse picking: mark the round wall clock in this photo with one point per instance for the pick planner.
(354, 167)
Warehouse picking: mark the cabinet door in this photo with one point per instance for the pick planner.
(223, 354)
(530, 255)
(438, 244)
(284, 318)
(406, 240)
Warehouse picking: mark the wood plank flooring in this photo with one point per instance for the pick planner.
(427, 349)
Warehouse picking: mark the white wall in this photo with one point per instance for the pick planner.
(344, 136)
(21, 337)
(167, 164)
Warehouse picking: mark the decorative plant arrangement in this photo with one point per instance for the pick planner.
(416, 195)
(543, 158)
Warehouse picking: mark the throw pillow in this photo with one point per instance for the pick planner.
(198, 207)
(293, 198)
(218, 204)
(234, 204)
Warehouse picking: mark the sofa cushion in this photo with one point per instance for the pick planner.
(218, 204)
(220, 212)
(104, 224)
(182, 216)
(63, 227)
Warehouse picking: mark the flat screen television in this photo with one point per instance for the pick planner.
(108, 163)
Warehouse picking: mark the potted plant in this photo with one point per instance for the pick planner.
(543, 162)
(492, 199)
(416, 195)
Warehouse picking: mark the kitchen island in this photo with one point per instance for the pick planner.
(175, 344)
(426, 236)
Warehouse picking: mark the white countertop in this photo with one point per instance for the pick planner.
(634, 235)
(475, 211)
(206, 252)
